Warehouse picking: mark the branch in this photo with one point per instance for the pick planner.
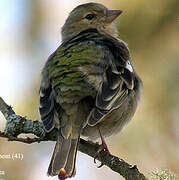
(16, 125)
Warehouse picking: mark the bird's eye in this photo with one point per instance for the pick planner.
(89, 16)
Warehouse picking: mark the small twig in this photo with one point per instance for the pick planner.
(16, 125)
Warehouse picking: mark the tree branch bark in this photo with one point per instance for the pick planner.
(16, 125)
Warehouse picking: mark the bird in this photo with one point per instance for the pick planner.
(89, 85)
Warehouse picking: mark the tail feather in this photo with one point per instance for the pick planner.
(71, 162)
(64, 156)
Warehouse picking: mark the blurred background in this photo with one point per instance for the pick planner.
(30, 32)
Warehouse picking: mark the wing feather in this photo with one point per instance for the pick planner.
(117, 80)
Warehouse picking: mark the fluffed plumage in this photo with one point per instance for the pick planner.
(88, 81)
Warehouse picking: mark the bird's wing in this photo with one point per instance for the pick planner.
(49, 109)
(118, 79)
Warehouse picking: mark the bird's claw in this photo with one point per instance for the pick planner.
(101, 148)
(101, 165)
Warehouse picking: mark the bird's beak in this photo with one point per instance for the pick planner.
(111, 15)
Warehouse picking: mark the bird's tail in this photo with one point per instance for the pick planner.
(64, 158)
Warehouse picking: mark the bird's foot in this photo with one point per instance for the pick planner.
(103, 147)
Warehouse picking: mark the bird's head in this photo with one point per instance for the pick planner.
(90, 15)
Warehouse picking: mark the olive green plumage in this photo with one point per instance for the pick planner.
(88, 82)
